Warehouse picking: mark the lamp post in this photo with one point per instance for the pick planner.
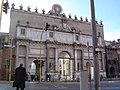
(95, 54)
(46, 28)
(10, 65)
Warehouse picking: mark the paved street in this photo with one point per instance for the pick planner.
(105, 85)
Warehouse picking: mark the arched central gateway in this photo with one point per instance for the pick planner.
(65, 66)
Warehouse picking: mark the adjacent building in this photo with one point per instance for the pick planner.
(112, 55)
(4, 56)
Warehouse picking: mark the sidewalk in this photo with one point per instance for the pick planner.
(7, 82)
(110, 79)
(43, 82)
(60, 82)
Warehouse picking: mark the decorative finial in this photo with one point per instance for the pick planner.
(86, 19)
(101, 22)
(28, 8)
(36, 10)
(63, 15)
(81, 19)
(69, 16)
(96, 22)
(43, 11)
(13, 6)
(50, 12)
(21, 7)
(75, 17)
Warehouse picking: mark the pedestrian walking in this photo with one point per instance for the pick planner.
(20, 77)
(28, 77)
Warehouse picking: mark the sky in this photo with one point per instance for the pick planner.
(105, 10)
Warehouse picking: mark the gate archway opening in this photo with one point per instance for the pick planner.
(65, 66)
(33, 71)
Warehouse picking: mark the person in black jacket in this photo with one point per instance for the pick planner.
(20, 77)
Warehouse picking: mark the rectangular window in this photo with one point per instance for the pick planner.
(77, 37)
(78, 66)
(22, 32)
(51, 34)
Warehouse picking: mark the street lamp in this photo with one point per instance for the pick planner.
(95, 53)
(45, 29)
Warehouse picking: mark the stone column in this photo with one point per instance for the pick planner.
(75, 60)
(56, 60)
(82, 61)
(17, 54)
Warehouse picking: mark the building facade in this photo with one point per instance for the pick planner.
(112, 55)
(63, 46)
(4, 56)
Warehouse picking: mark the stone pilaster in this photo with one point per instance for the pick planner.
(75, 60)
(47, 57)
(26, 58)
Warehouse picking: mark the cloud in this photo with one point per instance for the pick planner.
(110, 36)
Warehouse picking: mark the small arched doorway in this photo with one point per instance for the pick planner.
(65, 66)
(89, 68)
(112, 72)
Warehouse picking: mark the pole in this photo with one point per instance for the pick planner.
(10, 66)
(1, 6)
(95, 55)
(40, 75)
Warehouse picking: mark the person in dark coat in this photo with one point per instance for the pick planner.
(20, 77)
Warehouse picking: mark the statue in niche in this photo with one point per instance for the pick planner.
(51, 66)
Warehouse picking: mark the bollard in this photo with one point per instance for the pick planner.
(84, 80)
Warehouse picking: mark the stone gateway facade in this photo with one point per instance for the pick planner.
(62, 47)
